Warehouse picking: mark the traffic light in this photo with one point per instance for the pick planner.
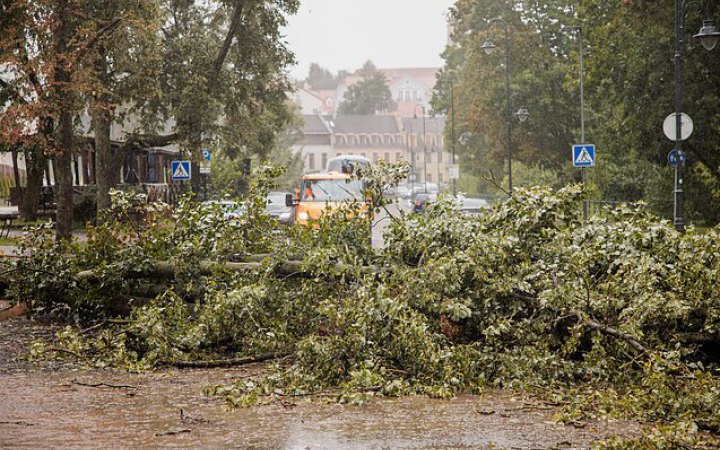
(246, 167)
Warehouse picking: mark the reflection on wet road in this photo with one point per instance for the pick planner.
(116, 410)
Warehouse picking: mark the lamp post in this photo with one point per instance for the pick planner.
(424, 143)
(583, 174)
(452, 127)
(709, 36)
(410, 147)
(488, 47)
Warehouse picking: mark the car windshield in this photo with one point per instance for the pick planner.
(275, 199)
(332, 190)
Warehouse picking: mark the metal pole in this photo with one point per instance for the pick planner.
(424, 149)
(509, 106)
(452, 128)
(583, 173)
(412, 162)
(679, 213)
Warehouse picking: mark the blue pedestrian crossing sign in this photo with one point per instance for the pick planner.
(584, 155)
(180, 170)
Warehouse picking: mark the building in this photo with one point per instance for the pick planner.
(377, 137)
(427, 146)
(410, 88)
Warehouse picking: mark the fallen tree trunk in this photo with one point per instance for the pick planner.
(219, 363)
(167, 270)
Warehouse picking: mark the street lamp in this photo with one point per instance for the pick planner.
(452, 125)
(424, 142)
(708, 36)
(411, 149)
(522, 114)
(488, 47)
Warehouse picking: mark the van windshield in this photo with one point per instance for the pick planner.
(335, 190)
(346, 165)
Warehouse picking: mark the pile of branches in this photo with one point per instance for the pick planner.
(619, 317)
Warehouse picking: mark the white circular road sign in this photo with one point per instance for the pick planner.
(670, 126)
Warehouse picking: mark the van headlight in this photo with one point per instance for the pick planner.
(303, 216)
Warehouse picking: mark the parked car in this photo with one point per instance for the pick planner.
(230, 209)
(422, 201)
(425, 188)
(277, 209)
(403, 191)
(473, 206)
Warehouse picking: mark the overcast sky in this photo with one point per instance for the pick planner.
(343, 34)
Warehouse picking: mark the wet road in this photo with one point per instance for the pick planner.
(382, 220)
(116, 410)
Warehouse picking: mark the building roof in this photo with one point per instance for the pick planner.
(433, 125)
(427, 76)
(356, 124)
(314, 124)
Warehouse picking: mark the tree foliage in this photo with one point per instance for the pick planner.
(320, 78)
(618, 318)
(629, 48)
(192, 73)
(370, 95)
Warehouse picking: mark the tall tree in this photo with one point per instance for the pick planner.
(630, 74)
(368, 96)
(320, 78)
(542, 72)
(123, 61)
(223, 73)
(45, 50)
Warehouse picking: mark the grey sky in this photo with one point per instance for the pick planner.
(343, 34)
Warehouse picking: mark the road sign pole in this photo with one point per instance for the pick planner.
(679, 216)
(583, 177)
(583, 174)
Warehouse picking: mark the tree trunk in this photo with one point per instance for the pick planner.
(101, 126)
(16, 169)
(63, 176)
(35, 164)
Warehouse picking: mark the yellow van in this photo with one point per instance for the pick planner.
(321, 193)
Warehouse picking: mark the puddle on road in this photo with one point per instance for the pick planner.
(57, 409)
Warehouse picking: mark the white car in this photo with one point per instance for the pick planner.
(230, 209)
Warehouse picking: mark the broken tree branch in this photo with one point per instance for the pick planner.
(634, 343)
(219, 363)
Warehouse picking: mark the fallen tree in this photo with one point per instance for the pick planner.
(619, 317)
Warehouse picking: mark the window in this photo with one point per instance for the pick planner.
(398, 156)
(440, 178)
(387, 156)
(375, 157)
(311, 161)
(429, 178)
(400, 94)
(323, 158)
(407, 96)
(332, 190)
(440, 157)
(428, 155)
(414, 95)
